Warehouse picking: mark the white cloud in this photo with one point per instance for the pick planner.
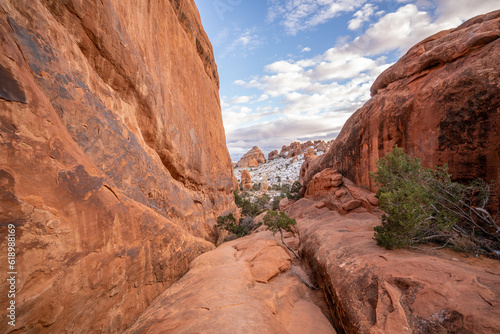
(298, 15)
(361, 16)
(453, 11)
(306, 49)
(240, 99)
(316, 95)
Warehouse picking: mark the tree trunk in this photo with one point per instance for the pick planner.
(291, 250)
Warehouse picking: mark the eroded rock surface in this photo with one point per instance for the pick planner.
(252, 158)
(440, 102)
(113, 164)
(246, 180)
(373, 290)
(244, 286)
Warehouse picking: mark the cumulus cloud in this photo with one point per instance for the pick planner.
(361, 16)
(316, 95)
(298, 15)
(306, 49)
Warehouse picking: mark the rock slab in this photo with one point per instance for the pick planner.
(373, 290)
(243, 286)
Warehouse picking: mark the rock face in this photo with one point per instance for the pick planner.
(440, 102)
(246, 180)
(373, 290)
(244, 286)
(340, 194)
(252, 158)
(272, 155)
(113, 164)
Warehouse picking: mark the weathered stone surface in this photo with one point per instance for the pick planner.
(246, 179)
(373, 290)
(272, 155)
(324, 183)
(439, 102)
(372, 199)
(351, 205)
(252, 158)
(295, 150)
(224, 292)
(113, 164)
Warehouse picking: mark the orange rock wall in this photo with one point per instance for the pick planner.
(113, 164)
(440, 102)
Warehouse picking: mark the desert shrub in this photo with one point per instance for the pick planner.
(424, 205)
(247, 206)
(276, 201)
(263, 201)
(278, 221)
(228, 223)
(256, 186)
(295, 191)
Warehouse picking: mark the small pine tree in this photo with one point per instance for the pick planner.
(422, 205)
(279, 222)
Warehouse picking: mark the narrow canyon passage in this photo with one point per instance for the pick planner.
(248, 285)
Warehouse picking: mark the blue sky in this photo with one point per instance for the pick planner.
(297, 69)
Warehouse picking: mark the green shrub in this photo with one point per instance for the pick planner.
(278, 221)
(424, 205)
(276, 201)
(228, 223)
(263, 201)
(295, 191)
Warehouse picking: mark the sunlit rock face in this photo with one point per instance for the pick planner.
(440, 102)
(113, 164)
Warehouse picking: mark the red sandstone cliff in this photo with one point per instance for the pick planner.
(113, 162)
(440, 102)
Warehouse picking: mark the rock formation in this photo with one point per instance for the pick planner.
(340, 194)
(439, 102)
(248, 285)
(320, 146)
(264, 186)
(373, 290)
(246, 180)
(273, 155)
(113, 163)
(252, 158)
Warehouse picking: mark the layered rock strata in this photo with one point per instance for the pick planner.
(113, 163)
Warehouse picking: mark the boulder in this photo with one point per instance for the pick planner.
(252, 158)
(273, 155)
(246, 179)
(324, 183)
(439, 102)
(373, 200)
(113, 161)
(351, 205)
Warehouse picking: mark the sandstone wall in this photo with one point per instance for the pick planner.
(113, 164)
(441, 102)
